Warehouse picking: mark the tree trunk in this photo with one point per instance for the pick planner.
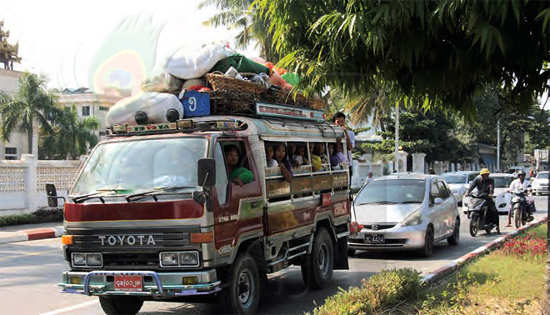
(30, 134)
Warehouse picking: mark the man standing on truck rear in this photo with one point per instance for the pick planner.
(340, 120)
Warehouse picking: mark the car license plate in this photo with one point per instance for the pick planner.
(374, 238)
(128, 283)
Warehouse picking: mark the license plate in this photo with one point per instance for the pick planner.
(374, 238)
(128, 283)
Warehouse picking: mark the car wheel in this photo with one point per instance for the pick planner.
(453, 239)
(120, 305)
(317, 267)
(243, 292)
(427, 250)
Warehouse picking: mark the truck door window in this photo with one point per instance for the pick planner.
(237, 163)
(221, 175)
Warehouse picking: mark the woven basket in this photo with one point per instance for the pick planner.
(229, 102)
(221, 82)
(317, 103)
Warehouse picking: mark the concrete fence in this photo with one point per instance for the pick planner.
(22, 182)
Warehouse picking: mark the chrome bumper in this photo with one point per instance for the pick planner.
(161, 284)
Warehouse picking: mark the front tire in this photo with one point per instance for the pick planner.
(428, 248)
(120, 305)
(243, 292)
(318, 266)
(474, 225)
(454, 239)
(517, 217)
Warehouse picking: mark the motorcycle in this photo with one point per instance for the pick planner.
(520, 208)
(476, 210)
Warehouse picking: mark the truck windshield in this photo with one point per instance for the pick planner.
(140, 165)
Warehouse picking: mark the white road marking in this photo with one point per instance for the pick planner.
(71, 308)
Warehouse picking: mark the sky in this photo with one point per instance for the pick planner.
(73, 42)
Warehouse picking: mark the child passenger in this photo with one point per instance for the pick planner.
(270, 161)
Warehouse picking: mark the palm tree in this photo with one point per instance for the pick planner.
(31, 104)
(238, 14)
(72, 136)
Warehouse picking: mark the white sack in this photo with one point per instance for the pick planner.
(155, 105)
(191, 63)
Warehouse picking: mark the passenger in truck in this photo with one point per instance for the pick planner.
(237, 174)
(300, 157)
(282, 160)
(269, 156)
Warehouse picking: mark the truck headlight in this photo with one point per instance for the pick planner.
(189, 258)
(78, 259)
(87, 259)
(168, 259)
(94, 259)
(182, 259)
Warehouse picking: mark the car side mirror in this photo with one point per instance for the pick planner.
(206, 172)
(438, 201)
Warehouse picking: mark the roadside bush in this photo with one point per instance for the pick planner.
(39, 216)
(388, 288)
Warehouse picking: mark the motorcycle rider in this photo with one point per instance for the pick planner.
(520, 184)
(486, 185)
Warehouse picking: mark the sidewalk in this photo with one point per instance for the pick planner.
(30, 232)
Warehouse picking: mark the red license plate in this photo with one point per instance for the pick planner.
(128, 283)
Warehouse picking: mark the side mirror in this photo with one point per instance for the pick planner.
(438, 201)
(206, 172)
(51, 192)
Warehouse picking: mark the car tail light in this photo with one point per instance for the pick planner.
(355, 227)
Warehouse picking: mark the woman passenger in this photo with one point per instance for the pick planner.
(282, 161)
(270, 161)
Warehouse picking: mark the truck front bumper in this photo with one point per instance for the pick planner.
(155, 284)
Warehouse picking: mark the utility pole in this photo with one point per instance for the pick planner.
(396, 136)
(498, 145)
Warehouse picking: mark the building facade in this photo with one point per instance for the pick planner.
(18, 142)
(89, 104)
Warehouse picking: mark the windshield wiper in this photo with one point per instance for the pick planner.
(156, 191)
(96, 194)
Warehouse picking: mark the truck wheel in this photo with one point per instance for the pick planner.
(453, 239)
(120, 305)
(243, 291)
(317, 267)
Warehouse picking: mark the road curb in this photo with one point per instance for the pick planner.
(30, 235)
(431, 277)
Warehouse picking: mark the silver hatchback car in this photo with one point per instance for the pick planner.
(404, 211)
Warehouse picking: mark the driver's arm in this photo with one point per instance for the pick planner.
(473, 185)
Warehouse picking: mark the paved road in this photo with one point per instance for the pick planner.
(30, 270)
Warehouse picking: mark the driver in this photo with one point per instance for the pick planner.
(520, 184)
(486, 185)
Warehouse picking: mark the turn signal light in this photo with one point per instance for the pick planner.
(202, 237)
(67, 239)
(355, 227)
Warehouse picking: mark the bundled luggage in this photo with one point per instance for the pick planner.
(211, 80)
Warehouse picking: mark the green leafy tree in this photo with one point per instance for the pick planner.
(71, 137)
(441, 52)
(30, 105)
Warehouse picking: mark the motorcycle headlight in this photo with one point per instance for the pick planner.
(414, 218)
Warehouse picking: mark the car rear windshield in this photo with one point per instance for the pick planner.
(454, 178)
(543, 175)
(392, 191)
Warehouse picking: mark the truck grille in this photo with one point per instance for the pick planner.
(129, 260)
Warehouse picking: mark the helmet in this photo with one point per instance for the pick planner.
(484, 171)
(521, 173)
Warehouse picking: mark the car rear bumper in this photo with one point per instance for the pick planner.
(156, 284)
